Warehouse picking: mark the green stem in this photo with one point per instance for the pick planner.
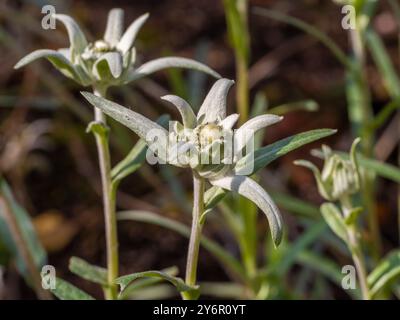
(242, 89)
(195, 235)
(109, 195)
(361, 116)
(356, 251)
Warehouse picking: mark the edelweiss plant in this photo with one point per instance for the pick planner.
(101, 64)
(201, 133)
(338, 182)
(109, 61)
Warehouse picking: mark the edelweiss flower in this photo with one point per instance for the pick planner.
(108, 61)
(340, 177)
(201, 133)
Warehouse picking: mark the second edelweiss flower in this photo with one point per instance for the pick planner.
(201, 133)
(110, 60)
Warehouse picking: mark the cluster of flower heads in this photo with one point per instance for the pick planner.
(340, 177)
(109, 61)
(201, 133)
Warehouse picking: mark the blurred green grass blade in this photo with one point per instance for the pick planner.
(267, 154)
(326, 267)
(259, 107)
(222, 255)
(260, 104)
(380, 168)
(387, 270)
(320, 264)
(384, 64)
(237, 27)
(178, 83)
(131, 162)
(295, 205)
(66, 291)
(305, 105)
(384, 114)
(175, 185)
(223, 290)
(27, 230)
(307, 28)
(88, 271)
(308, 237)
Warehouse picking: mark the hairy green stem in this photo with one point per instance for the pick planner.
(356, 250)
(195, 234)
(109, 195)
(361, 116)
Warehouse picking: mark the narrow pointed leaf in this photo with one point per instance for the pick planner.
(254, 192)
(77, 39)
(115, 25)
(133, 120)
(108, 66)
(317, 175)
(169, 62)
(138, 285)
(180, 285)
(186, 111)
(88, 271)
(66, 291)
(229, 121)
(250, 127)
(135, 157)
(128, 38)
(66, 52)
(214, 105)
(387, 270)
(267, 154)
(56, 58)
(28, 232)
(334, 220)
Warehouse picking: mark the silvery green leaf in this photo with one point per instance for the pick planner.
(186, 111)
(128, 59)
(250, 127)
(213, 108)
(169, 62)
(88, 271)
(56, 58)
(180, 285)
(317, 174)
(334, 219)
(66, 291)
(383, 275)
(265, 155)
(354, 158)
(229, 121)
(353, 215)
(254, 192)
(66, 52)
(211, 198)
(115, 25)
(108, 66)
(128, 38)
(77, 39)
(133, 120)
